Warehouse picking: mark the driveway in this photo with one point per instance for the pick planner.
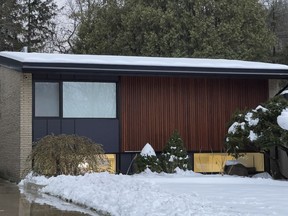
(12, 203)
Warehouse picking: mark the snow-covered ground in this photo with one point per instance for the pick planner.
(183, 193)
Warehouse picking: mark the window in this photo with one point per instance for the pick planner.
(46, 99)
(89, 100)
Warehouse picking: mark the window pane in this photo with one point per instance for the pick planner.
(46, 99)
(89, 100)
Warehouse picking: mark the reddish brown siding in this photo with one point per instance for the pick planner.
(199, 108)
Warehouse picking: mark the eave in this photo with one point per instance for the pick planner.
(139, 66)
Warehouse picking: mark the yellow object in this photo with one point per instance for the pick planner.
(112, 162)
(111, 165)
(215, 162)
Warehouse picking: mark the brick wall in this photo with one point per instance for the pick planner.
(15, 122)
(25, 122)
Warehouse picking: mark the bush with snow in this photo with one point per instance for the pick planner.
(147, 159)
(174, 155)
(257, 129)
(67, 154)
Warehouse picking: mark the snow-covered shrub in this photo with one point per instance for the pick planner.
(147, 159)
(174, 155)
(66, 154)
(257, 129)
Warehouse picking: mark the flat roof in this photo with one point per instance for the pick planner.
(135, 65)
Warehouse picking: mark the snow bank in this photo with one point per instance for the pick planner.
(38, 180)
(120, 195)
(184, 193)
(263, 175)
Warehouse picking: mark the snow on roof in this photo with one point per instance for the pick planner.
(284, 92)
(139, 61)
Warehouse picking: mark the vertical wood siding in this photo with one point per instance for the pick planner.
(199, 108)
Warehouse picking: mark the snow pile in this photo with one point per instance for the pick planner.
(282, 119)
(38, 180)
(121, 195)
(190, 173)
(178, 173)
(263, 175)
(184, 193)
(147, 151)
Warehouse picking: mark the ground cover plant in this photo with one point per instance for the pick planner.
(66, 154)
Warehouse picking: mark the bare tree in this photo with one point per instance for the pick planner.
(68, 20)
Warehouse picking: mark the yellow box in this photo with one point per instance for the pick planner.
(215, 162)
(111, 165)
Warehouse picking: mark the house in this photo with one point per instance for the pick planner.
(124, 102)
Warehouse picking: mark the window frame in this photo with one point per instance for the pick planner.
(60, 83)
(59, 99)
(83, 117)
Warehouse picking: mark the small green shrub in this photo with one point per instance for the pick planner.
(66, 154)
(174, 154)
(147, 159)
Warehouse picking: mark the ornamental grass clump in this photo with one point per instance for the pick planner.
(66, 154)
(174, 154)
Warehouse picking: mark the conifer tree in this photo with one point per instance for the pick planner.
(278, 23)
(10, 26)
(37, 22)
(215, 29)
(174, 154)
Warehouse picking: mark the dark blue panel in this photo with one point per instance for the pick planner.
(67, 126)
(39, 129)
(102, 131)
(125, 162)
(54, 126)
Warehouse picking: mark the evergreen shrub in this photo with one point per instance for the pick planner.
(147, 159)
(257, 129)
(174, 154)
